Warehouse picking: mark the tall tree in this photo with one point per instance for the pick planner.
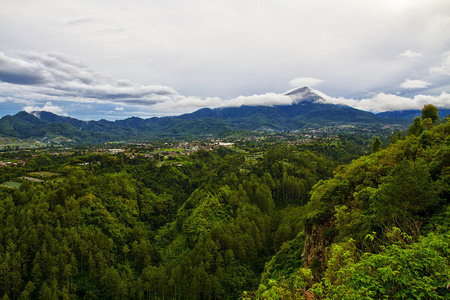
(394, 138)
(416, 128)
(400, 135)
(376, 145)
(430, 111)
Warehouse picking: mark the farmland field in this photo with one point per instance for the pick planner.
(11, 184)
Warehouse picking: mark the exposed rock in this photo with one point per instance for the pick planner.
(319, 237)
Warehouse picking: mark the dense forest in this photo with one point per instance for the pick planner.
(312, 221)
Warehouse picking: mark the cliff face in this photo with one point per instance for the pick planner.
(319, 237)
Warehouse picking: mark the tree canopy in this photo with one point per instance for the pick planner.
(323, 220)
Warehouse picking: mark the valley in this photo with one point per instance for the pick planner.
(241, 215)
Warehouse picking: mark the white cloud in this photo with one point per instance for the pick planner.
(183, 104)
(411, 55)
(119, 108)
(414, 84)
(305, 81)
(268, 99)
(444, 68)
(189, 104)
(47, 107)
(388, 102)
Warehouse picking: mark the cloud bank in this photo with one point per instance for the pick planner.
(388, 102)
(56, 75)
(34, 77)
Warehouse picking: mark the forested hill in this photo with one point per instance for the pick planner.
(279, 221)
(379, 229)
(307, 109)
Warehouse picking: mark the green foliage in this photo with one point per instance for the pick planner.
(418, 270)
(369, 257)
(376, 145)
(278, 225)
(394, 138)
(430, 111)
(291, 288)
(286, 261)
(416, 128)
(128, 228)
(407, 191)
(393, 186)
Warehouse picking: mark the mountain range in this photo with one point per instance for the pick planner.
(307, 109)
(410, 114)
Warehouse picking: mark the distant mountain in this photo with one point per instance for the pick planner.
(307, 109)
(304, 94)
(410, 114)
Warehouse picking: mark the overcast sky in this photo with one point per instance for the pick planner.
(115, 59)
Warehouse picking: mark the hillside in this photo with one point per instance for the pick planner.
(378, 229)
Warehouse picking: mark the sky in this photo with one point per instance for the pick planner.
(116, 59)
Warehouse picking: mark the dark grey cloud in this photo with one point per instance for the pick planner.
(61, 77)
(55, 67)
(19, 78)
(17, 71)
(142, 102)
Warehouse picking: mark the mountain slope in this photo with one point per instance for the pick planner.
(52, 118)
(410, 114)
(379, 227)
